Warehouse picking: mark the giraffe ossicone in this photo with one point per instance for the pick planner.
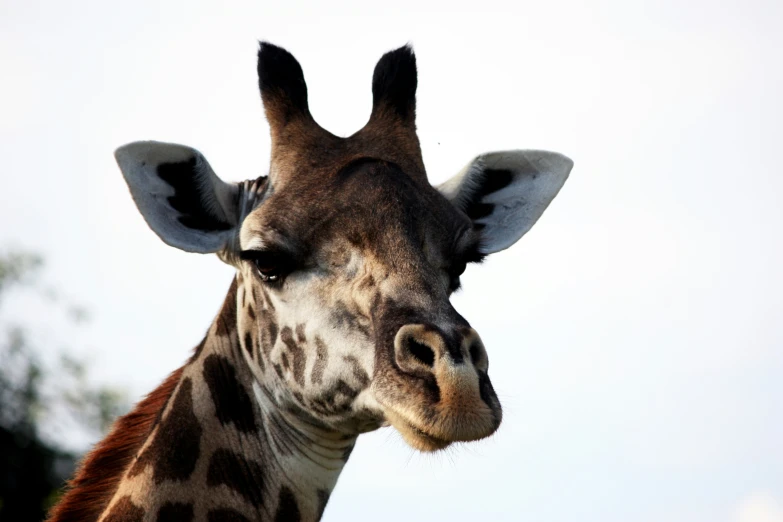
(338, 321)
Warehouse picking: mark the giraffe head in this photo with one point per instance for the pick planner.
(346, 256)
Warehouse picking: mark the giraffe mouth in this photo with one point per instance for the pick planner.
(416, 437)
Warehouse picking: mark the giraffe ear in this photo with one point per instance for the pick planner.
(180, 197)
(505, 193)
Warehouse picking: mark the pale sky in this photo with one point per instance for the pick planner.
(634, 334)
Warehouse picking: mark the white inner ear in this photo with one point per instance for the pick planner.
(537, 177)
(210, 201)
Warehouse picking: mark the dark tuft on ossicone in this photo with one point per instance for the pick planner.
(281, 79)
(394, 82)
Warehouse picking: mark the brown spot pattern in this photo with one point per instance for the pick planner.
(227, 318)
(336, 400)
(175, 512)
(300, 334)
(287, 508)
(342, 318)
(323, 499)
(242, 476)
(321, 359)
(358, 372)
(297, 353)
(175, 448)
(268, 329)
(232, 403)
(226, 515)
(125, 511)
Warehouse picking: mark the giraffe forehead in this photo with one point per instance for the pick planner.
(368, 204)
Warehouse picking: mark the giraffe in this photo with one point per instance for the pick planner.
(337, 322)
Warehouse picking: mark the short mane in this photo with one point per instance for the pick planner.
(101, 470)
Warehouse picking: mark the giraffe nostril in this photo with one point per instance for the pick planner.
(421, 352)
(416, 349)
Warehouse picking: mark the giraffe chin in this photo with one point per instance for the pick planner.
(416, 437)
(424, 440)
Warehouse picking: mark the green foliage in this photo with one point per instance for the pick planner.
(17, 267)
(37, 397)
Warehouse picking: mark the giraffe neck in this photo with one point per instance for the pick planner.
(220, 448)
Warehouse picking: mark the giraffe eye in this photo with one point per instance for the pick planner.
(270, 266)
(267, 272)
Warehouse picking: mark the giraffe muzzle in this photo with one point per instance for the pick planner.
(447, 394)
